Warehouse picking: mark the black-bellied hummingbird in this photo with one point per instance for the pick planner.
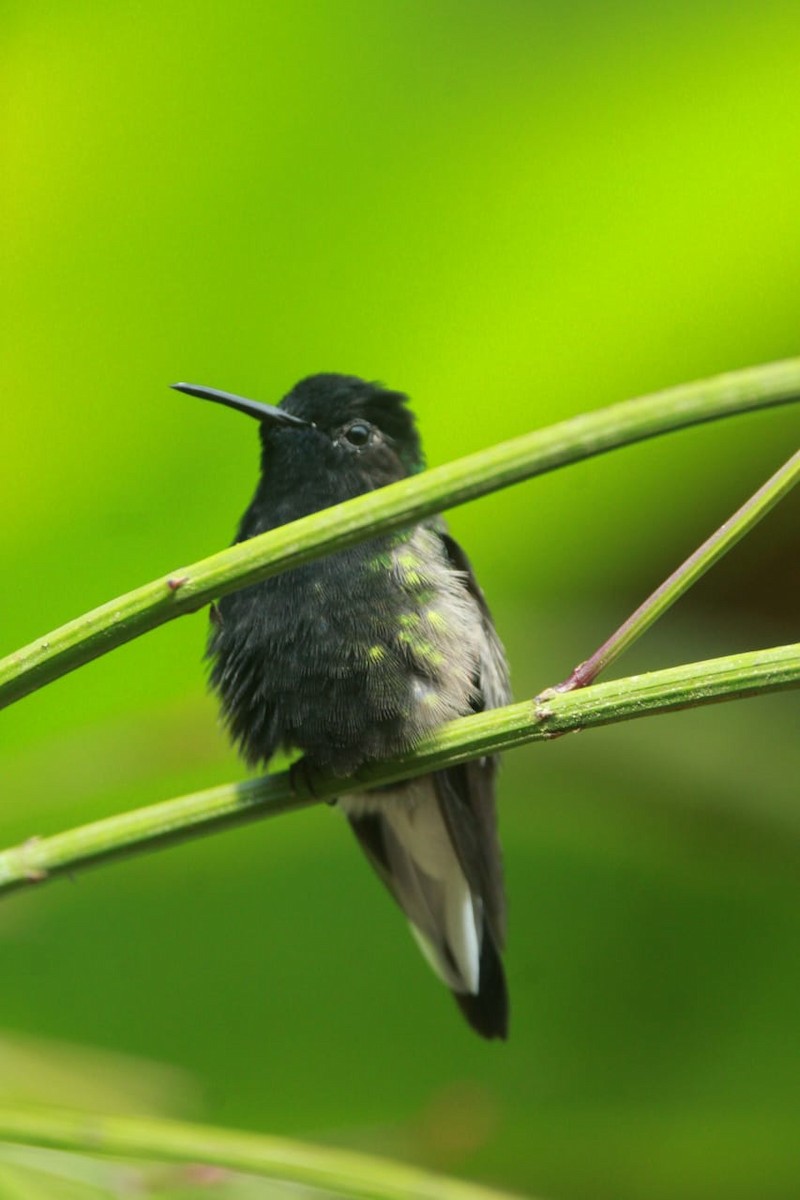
(356, 656)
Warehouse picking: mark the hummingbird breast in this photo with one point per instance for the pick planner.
(350, 658)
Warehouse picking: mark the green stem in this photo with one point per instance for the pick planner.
(549, 716)
(337, 1172)
(190, 588)
(687, 574)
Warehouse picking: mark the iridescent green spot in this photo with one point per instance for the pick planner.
(381, 562)
(435, 618)
(431, 654)
(424, 651)
(376, 653)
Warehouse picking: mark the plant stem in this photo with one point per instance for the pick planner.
(657, 603)
(549, 716)
(190, 588)
(337, 1172)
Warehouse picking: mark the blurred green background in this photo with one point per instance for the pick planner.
(515, 212)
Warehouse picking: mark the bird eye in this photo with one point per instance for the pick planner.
(358, 433)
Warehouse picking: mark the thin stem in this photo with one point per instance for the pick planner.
(336, 1172)
(189, 588)
(728, 534)
(549, 716)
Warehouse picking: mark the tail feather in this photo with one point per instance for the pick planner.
(487, 1011)
(409, 844)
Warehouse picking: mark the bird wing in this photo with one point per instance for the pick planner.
(433, 842)
(466, 793)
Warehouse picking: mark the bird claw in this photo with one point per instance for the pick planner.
(302, 779)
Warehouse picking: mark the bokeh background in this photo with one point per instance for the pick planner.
(515, 212)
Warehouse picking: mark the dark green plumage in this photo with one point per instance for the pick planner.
(357, 655)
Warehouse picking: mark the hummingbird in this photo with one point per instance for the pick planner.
(355, 657)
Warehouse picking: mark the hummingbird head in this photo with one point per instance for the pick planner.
(339, 424)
